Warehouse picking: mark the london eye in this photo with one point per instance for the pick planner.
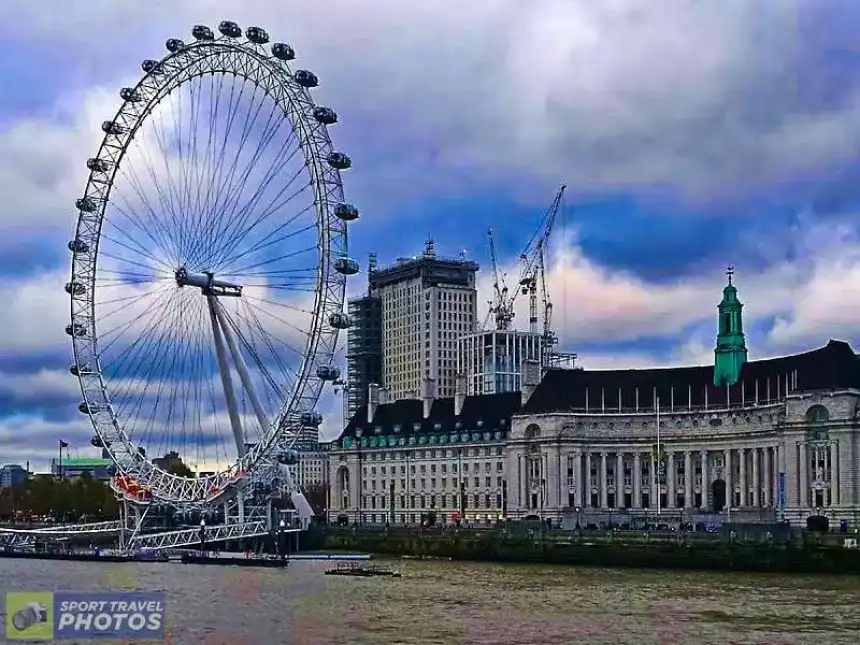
(209, 266)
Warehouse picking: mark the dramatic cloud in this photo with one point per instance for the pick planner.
(702, 105)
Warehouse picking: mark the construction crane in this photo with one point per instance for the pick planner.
(531, 275)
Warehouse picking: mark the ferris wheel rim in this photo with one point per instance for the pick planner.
(320, 347)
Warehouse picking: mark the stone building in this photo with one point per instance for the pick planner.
(739, 439)
(746, 440)
(402, 461)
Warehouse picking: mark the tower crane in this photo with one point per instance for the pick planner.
(531, 263)
(532, 282)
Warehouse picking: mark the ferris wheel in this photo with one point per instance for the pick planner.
(209, 267)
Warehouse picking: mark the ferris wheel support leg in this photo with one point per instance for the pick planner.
(239, 362)
(226, 381)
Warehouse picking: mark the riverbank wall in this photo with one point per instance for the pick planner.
(635, 550)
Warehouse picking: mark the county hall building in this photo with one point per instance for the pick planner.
(741, 440)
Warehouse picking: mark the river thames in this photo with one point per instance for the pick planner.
(453, 603)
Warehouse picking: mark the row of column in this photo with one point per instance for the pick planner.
(757, 481)
(818, 473)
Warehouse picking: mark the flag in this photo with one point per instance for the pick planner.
(64, 444)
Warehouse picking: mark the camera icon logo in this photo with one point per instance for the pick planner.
(29, 615)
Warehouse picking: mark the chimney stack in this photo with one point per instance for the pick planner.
(372, 401)
(427, 395)
(529, 379)
(459, 394)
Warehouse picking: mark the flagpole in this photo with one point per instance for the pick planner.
(60, 465)
(659, 460)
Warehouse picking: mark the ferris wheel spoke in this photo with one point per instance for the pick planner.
(143, 253)
(142, 368)
(239, 235)
(124, 302)
(156, 223)
(114, 334)
(224, 196)
(233, 217)
(213, 190)
(282, 322)
(253, 322)
(204, 167)
(154, 234)
(131, 390)
(234, 331)
(286, 256)
(131, 360)
(225, 264)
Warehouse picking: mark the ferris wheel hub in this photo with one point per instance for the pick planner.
(207, 283)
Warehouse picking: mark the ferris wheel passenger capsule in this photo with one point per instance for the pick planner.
(306, 79)
(89, 408)
(112, 127)
(340, 321)
(128, 94)
(151, 66)
(76, 329)
(174, 45)
(325, 115)
(328, 373)
(346, 266)
(79, 370)
(75, 288)
(98, 165)
(310, 419)
(78, 246)
(97, 442)
(202, 32)
(346, 212)
(257, 35)
(85, 204)
(339, 161)
(230, 29)
(283, 51)
(288, 457)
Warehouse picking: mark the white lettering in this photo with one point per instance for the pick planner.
(102, 622)
(83, 622)
(136, 622)
(118, 620)
(153, 622)
(67, 619)
(64, 606)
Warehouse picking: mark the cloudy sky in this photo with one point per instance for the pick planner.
(692, 135)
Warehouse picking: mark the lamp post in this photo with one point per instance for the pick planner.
(461, 486)
(360, 499)
(203, 535)
(282, 550)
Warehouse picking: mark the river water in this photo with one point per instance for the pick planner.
(454, 603)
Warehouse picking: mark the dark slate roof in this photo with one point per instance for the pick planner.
(491, 409)
(834, 366)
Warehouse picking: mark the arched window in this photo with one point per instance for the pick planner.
(533, 431)
(727, 323)
(817, 414)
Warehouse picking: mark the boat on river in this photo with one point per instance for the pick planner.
(357, 570)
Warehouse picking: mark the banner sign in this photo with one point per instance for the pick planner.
(45, 615)
(781, 494)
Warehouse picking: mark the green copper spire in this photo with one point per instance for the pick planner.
(731, 351)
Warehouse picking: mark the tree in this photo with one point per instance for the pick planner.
(177, 467)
